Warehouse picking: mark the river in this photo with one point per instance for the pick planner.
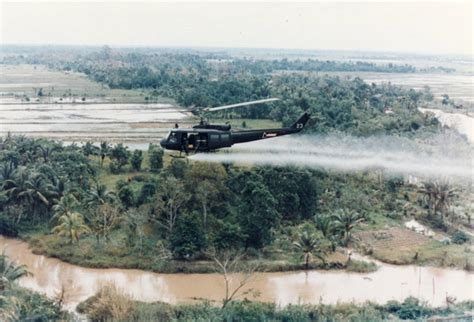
(389, 282)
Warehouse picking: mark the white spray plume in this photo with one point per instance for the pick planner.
(441, 156)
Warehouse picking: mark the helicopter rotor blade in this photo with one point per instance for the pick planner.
(224, 107)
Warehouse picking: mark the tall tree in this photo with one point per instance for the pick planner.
(103, 219)
(207, 181)
(257, 213)
(119, 156)
(136, 160)
(104, 151)
(168, 203)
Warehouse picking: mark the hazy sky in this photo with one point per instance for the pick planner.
(427, 27)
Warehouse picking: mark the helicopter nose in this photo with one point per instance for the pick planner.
(163, 143)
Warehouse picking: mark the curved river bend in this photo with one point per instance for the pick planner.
(388, 283)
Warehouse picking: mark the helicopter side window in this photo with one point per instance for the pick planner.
(214, 138)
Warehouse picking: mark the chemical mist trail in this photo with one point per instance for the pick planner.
(444, 156)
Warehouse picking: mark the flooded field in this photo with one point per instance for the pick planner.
(74, 108)
(126, 122)
(388, 283)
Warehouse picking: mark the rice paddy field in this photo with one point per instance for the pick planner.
(39, 102)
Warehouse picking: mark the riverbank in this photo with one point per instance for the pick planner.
(101, 307)
(389, 282)
(397, 246)
(89, 254)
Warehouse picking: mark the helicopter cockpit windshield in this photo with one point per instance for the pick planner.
(171, 137)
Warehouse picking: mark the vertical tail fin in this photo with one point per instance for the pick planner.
(301, 122)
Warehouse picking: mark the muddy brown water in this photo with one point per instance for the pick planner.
(389, 282)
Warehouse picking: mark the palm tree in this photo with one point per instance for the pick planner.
(7, 171)
(36, 192)
(64, 206)
(310, 246)
(325, 225)
(60, 186)
(90, 149)
(99, 195)
(47, 150)
(10, 272)
(71, 225)
(14, 188)
(438, 197)
(345, 220)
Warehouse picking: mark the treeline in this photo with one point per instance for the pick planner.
(315, 65)
(178, 210)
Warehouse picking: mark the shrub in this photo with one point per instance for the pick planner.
(361, 266)
(411, 309)
(126, 196)
(155, 158)
(19, 304)
(109, 304)
(248, 311)
(460, 237)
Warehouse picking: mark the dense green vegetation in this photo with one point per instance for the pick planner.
(173, 213)
(182, 209)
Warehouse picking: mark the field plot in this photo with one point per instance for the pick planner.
(73, 108)
(457, 86)
(403, 246)
(123, 122)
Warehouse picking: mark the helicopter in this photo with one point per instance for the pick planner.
(206, 137)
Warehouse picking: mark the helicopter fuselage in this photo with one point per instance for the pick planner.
(209, 137)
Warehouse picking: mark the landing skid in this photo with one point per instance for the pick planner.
(178, 156)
